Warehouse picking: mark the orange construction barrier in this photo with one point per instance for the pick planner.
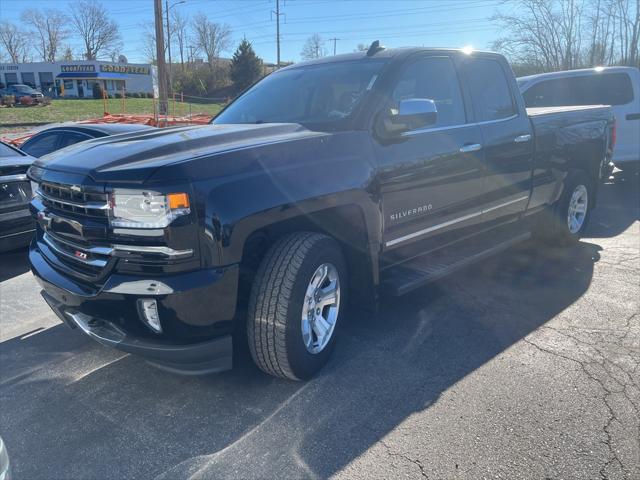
(18, 138)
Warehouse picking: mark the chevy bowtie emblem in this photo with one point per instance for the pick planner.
(80, 255)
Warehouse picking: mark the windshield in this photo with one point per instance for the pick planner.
(23, 88)
(317, 96)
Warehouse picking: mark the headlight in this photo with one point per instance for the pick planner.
(35, 173)
(146, 209)
(34, 189)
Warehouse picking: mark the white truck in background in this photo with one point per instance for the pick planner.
(615, 86)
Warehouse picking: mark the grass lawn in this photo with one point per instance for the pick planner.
(72, 110)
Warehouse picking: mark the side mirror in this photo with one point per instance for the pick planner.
(412, 113)
(418, 112)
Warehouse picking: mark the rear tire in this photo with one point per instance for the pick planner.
(287, 309)
(568, 220)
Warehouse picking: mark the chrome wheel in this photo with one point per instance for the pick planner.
(320, 308)
(577, 209)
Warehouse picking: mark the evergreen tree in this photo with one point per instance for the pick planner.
(246, 66)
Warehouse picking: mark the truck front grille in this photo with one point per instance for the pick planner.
(71, 199)
(88, 261)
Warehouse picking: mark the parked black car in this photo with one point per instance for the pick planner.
(60, 136)
(19, 91)
(16, 223)
(349, 176)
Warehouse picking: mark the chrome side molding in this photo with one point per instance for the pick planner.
(448, 223)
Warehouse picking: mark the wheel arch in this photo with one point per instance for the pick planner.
(356, 230)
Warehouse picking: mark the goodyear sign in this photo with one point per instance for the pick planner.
(131, 69)
(77, 68)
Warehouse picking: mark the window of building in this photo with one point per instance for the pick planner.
(10, 79)
(46, 82)
(68, 84)
(490, 90)
(434, 78)
(29, 78)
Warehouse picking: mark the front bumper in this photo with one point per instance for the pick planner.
(196, 311)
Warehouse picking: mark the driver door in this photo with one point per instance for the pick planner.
(431, 178)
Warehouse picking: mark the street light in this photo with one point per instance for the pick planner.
(167, 8)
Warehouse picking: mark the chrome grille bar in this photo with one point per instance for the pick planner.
(60, 248)
(87, 205)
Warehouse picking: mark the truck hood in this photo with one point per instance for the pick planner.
(136, 156)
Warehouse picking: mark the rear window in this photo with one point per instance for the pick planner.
(40, 145)
(6, 151)
(597, 89)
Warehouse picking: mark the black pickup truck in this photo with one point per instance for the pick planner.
(326, 182)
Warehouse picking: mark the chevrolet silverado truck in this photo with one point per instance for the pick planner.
(327, 182)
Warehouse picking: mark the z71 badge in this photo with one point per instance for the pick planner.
(410, 212)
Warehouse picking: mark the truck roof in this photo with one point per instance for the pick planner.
(387, 53)
(575, 73)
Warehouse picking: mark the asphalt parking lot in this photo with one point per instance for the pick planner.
(524, 366)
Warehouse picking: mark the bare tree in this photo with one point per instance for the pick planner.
(548, 35)
(628, 14)
(210, 38)
(99, 33)
(180, 30)
(14, 42)
(50, 28)
(313, 48)
(149, 41)
(67, 56)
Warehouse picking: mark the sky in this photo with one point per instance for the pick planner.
(435, 23)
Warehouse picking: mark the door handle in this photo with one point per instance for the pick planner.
(522, 138)
(633, 116)
(470, 147)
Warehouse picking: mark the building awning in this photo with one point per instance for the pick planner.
(95, 76)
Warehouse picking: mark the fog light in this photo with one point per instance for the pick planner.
(149, 310)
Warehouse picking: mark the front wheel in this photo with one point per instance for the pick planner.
(297, 297)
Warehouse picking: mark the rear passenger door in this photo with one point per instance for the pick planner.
(506, 136)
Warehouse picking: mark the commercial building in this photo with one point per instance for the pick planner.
(76, 79)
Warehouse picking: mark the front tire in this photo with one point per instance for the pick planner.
(294, 310)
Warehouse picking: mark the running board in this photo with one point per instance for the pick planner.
(419, 271)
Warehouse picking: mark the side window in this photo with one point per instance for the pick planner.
(602, 89)
(70, 138)
(596, 89)
(40, 144)
(434, 78)
(550, 93)
(490, 90)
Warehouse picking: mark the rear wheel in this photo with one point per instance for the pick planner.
(294, 310)
(570, 217)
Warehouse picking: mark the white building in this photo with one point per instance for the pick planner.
(76, 78)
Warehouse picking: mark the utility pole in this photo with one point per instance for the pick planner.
(334, 40)
(162, 74)
(277, 14)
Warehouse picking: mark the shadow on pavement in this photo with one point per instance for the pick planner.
(13, 263)
(618, 206)
(70, 408)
